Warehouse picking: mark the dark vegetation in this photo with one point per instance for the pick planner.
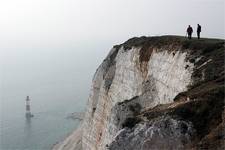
(205, 113)
(127, 112)
(130, 122)
(135, 108)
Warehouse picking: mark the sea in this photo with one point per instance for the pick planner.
(58, 82)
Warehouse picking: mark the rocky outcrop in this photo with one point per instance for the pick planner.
(156, 93)
(161, 133)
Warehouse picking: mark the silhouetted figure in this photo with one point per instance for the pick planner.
(199, 29)
(189, 31)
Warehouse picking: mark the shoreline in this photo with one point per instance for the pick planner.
(71, 142)
(76, 116)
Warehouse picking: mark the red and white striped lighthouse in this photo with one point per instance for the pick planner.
(28, 113)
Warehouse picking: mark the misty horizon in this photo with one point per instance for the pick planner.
(57, 23)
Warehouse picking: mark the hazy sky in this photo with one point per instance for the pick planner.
(59, 23)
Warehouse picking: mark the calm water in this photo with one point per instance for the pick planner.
(58, 83)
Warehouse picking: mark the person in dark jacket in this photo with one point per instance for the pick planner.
(199, 29)
(189, 31)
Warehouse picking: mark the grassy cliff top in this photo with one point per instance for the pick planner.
(159, 41)
(196, 47)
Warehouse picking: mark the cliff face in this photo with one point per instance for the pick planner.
(157, 93)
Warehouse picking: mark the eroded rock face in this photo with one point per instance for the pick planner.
(158, 92)
(161, 133)
(156, 81)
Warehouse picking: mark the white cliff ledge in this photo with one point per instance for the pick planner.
(135, 78)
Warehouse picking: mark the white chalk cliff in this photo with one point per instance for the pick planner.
(136, 77)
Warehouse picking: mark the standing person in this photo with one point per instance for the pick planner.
(199, 29)
(189, 31)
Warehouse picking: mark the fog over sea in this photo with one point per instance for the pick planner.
(58, 82)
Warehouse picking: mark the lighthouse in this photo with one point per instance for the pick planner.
(28, 113)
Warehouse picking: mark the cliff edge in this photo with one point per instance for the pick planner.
(162, 92)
